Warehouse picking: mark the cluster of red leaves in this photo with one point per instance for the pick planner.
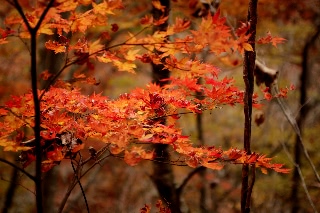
(132, 120)
(271, 39)
(160, 206)
(127, 123)
(282, 93)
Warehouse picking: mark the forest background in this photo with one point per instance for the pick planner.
(114, 186)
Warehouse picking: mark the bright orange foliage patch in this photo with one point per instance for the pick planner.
(128, 123)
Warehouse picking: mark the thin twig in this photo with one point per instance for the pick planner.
(67, 194)
(19, 184)
(288, 114)
(18, 168)
(80, 185)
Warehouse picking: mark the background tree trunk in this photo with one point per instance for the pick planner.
(163, 176)
(53, 63)
(10, 191)
(305, 108)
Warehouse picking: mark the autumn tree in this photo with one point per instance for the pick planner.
(53, 124)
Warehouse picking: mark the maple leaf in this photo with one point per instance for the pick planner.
(192, 161)
(214, 166)
(160, 21)
(243, 29)
(131, 55)
(157, 5)
(115, 149)
(179, 26)
(55, 46)
(146, 20)
(106, 7)
(95, 47)
(247, 47)
(67, 6)
(270, 39)
(45, 75)
(125, 66)
(145, 209)
(55, 154)
(132, 158)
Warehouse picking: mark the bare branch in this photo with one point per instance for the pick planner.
(18, 168)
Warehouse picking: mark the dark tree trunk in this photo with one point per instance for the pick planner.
(163, 176)
(202, 173)
(10, 191)
(53, 63)
(248, 77)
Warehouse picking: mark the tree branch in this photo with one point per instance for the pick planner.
(18, 168)
(248, 77)
(187, 178)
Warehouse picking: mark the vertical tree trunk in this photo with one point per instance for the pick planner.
(34, 85)
(163, 176)
(248, 77)
(202, 173)
(51, 62)
(300, 120)
(10, 191)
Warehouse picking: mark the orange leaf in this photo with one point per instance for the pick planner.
(45, 75)
(56, 46)
(247, 47)
(115, 149)
(132, 158)
(157, 5)
(215, 166)
(192, 162)
(145, 209)
(56, 154)
(270, 39)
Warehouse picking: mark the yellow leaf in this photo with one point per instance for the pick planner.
(131, 55)
(125, 66)
(104, 59)
(215, 166)
(56, 46)
(247, 47)
(25, 34)
(95, 46)
(102, 8)
(67, 6)
(157, 5)
(264, 171)
(45, 30)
